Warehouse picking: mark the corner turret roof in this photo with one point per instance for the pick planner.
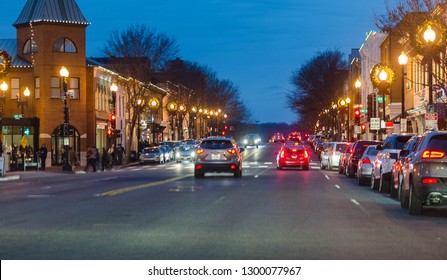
(61, 11)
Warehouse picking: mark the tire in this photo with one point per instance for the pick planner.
(384, 183)
(306, 167)
(349, 174)
(329, 165)
(360, 180)
(402, 197)
(415, 204)
(238, 173)
(198, 174)
(374, 183)
(340, 169)
(322, 166)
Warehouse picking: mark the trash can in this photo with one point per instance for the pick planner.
(133, 156)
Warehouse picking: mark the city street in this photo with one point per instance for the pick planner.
(163, 212)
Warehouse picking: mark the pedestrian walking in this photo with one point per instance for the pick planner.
(72, 157)
(43, 152)
(92, 153)
(105, 158)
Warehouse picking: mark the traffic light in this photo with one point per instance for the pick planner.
(357, 116)
(113, 121)
(363, 126)
(109, 132)
(118, 133)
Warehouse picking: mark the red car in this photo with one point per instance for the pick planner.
(292, 154)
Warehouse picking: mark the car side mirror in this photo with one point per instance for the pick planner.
(379, 147)
(241, 150)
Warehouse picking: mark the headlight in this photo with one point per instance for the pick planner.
(245, 141)
(177, 154)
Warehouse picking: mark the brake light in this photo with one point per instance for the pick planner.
(282, 154)
(233, 167)
(198, 167)
(433, 154)
(429, 181)
(366, 161)
(200, 151)
(294, 150)
(306, 155)
(232, 151)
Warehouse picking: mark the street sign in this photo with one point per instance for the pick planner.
(380, 99)
(357, 129)
(17, 116)
(403, 125)
(24, 141)
(374, 123)
(431, 120)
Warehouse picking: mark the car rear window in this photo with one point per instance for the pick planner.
(150, 150)
(216, 144)
(372, 152)
(438, 143)
(341, 148)
(401, 141)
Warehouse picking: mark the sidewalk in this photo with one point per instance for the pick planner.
(51, 171)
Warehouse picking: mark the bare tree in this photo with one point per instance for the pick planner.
(136, 53)
(316, 84)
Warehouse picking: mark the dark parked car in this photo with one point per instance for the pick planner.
(357, 151)
(218, 154)
(424, 176)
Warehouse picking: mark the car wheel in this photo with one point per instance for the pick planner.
(329, 165)
(198, 174)
(360, 179)
(384, 183)
(402, 197)
(415, 204)
(306, 167)
(374, 183)
(238, 174)
(348, 173)
(322, 166)
(340, 169)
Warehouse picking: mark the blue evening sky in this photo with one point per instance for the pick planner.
(256, 44)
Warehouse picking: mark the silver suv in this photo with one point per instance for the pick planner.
(218, 154)
(385, 158)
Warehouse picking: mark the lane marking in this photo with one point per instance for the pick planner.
(101, 179)
(355, 202)
(40, 195)
(327, 177)
(148, 185)
(338, 187)
(268, 162)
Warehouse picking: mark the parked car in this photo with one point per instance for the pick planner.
(357, 151)
(292, 154)
(344, 159)
(330, 157)
(218, 154)
(151, 154)
(425, 178)
(364, 166)
(185, 152)
(396, 173)
(385, 158)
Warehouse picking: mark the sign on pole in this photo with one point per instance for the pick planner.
(403, 125)
(374, 123)
(431, 120)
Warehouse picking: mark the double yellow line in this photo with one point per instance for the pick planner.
(148, 185)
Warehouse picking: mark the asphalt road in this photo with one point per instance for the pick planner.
(163, 212)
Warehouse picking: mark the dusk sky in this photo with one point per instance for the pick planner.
(256, 44)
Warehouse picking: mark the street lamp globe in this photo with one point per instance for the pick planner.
(26, 92)
(64, 72)
(358, 84)
(114, 87)
(348, 100)
(4, 86)
(383, 75)
(403, 59)
(429, 35)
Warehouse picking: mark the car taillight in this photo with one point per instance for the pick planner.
(232, 151)
(366, 161)
(306, 155)
(433, 154)
(198, 166)
(233, 167)
(429, 181)
(200, 151)
(282, 154)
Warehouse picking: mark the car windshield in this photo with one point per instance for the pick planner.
(372, 151)
(216, 144)
(401, 141)
(150, 150)
(341, 147)
(185, 148)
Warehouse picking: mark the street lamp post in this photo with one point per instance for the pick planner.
(182, 111)
(64, 74)
(403, 60)
(358, 85)
(139, 105)
(22, 103)
(429, 37)
(114, 89)
(172, 108)
(153, 105)
(346, 103)
(4, 88)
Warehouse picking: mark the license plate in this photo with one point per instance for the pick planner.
(215, 156)
(294, 156)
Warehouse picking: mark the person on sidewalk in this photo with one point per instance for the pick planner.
(92, 153)
(43, 152)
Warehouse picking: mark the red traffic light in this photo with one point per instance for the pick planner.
(113, 120)
(357, 112)
(109, 132)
